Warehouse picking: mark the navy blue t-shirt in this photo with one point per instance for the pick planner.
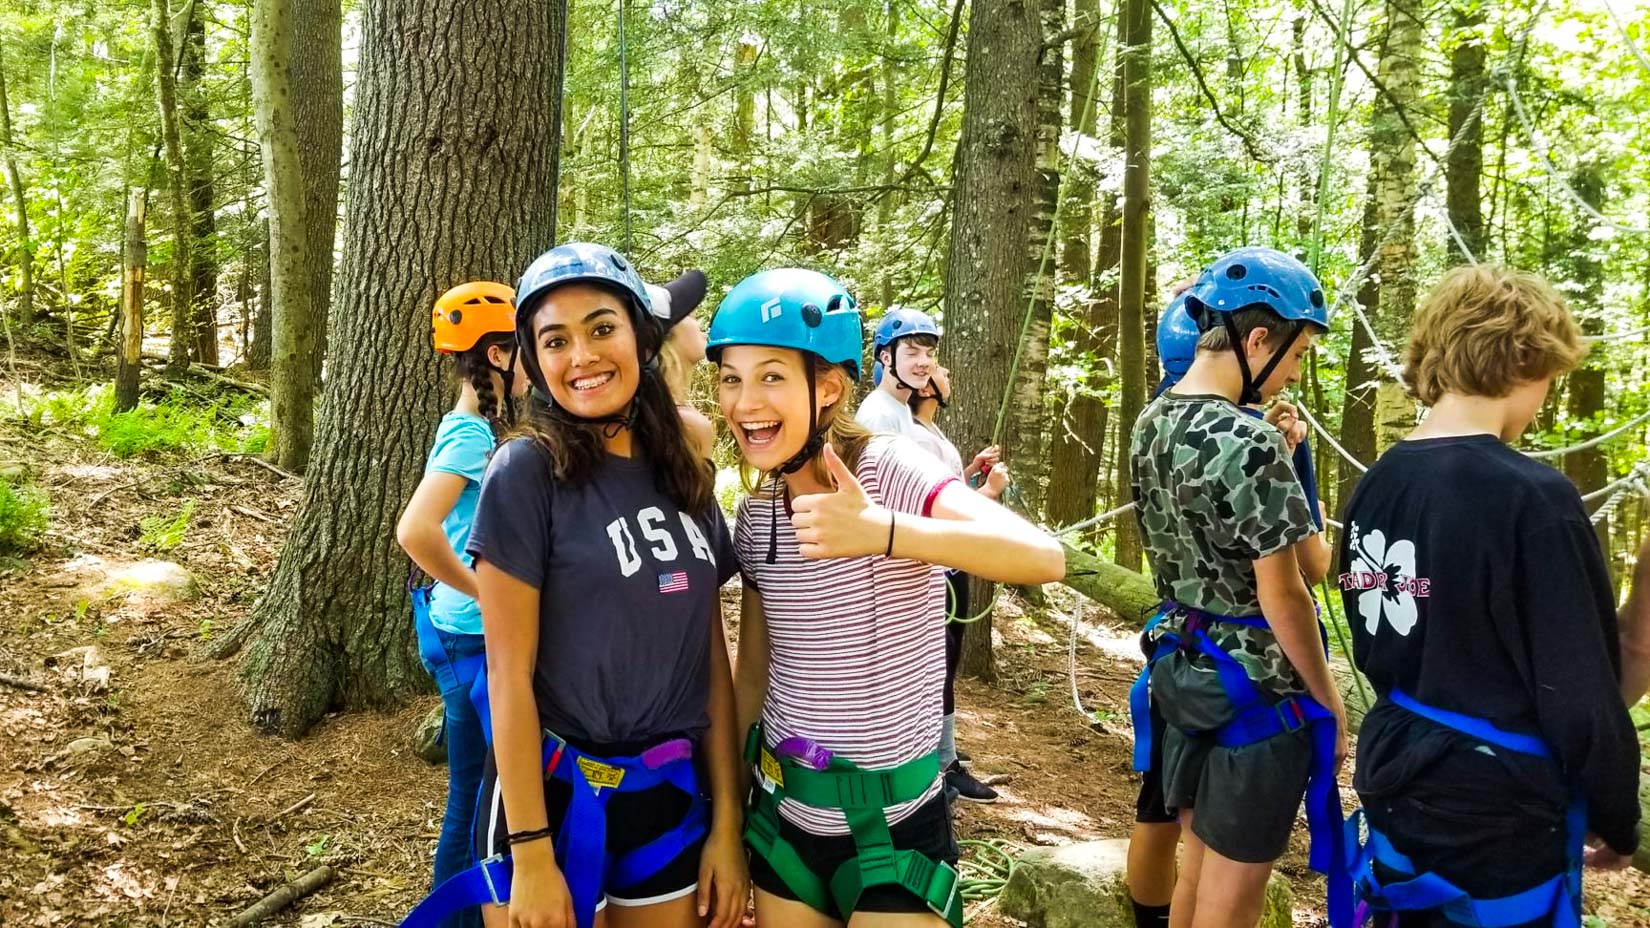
(627, 593)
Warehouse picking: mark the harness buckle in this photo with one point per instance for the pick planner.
(487, 877)
(1290, 715)
(950, 897)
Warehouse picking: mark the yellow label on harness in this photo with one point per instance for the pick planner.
(770, 769)
(600, 775)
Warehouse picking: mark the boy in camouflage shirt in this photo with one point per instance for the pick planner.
(1220, 512)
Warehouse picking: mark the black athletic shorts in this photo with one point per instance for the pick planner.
(1150, 808)
(633, 819)
(928, 830)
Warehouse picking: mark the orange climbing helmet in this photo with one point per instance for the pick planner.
(468, 311)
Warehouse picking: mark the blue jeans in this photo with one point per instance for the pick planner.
(453, 661)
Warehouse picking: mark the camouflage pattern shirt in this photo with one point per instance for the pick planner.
(1214, 491)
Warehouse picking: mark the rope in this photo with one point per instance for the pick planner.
(1621, 27)
(1089, 523)
(1616, 336)
(1341, 638)
(1324, 433)
(1551, 167)
(1640, 419)
(987, 870)
(1071, 655)
(624, 124)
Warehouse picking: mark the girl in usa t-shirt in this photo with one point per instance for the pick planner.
(841, 648)
(599, 552)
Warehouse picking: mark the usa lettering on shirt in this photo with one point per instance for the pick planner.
(662, 545)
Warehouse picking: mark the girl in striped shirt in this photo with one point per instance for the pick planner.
(841, 649)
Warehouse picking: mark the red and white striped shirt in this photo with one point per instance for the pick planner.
(857, 657)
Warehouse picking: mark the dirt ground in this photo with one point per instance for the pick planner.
(133, 792)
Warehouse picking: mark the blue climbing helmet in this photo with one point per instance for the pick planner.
(1177, 337)
(585, 262)
(897, 323)
(1258, 278)
(792, 308)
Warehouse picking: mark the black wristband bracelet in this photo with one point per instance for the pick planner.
(523, 837)
(890, 551)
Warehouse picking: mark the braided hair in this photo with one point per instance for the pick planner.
(478, 371)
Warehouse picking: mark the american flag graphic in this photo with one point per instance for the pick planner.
(674, 582)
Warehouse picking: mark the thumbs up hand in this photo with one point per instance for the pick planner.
(842, 523)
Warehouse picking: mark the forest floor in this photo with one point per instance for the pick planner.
(134, 793)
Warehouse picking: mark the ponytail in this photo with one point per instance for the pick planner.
(478, 371)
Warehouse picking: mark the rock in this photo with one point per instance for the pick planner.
(1084, 886)
(86, 663)
(86, 746)
(157, 583)
(427, 743)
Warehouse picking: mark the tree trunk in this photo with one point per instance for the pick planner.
(1465, 168)
(297, 73)
(1358, 402)
(1080, 431)
(129, 362)
(1394, 149)
(198, 135)
(890, 150)
(988, 263)
(25, 242)
(1588, 469)
(744, 113)
(259, 348)
(183, 222)
(1026, 423)
(1136, 52)
(453, 169)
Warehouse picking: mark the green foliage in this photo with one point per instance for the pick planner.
(24, 514)
(162, 534)
(318, 847)
(134, 815)
(179, 422)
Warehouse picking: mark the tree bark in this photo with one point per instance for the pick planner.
(1136, 53)
(1080, 430)
(453, 168)
(1027, 421)
(988, 263)
(1465, 168)
(25, 241)
(183, 223)
(129, 361)
(198, 135)
(1358, 402)
(1393, 148)
(1588, 469)
(259, 347)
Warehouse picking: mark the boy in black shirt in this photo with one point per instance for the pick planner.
(1481, 611)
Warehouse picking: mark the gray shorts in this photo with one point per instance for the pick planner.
(1244, 800)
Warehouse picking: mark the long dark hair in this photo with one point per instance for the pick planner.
(574, 448)
(476, 370)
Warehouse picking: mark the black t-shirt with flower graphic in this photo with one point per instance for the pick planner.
(1474, 582)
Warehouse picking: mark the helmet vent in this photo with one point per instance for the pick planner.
(811, 315)
(1237, 272)
(1268, 290)
(1317, 298)
(456, 316)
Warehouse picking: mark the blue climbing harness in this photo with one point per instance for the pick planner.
(472, 667)
(581, 842)
(1256, 719)
(1559, 897)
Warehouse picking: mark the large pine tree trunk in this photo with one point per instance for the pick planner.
(988, 263)
(14, 178)
(453, 178)
(183, 222)
(1137, 108)
(135, 259)
(198, 133)
(1465, 168)
(1079, 432)
(1023, 435)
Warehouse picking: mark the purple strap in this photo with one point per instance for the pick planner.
(667, 752)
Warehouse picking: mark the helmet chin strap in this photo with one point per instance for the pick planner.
(508, 375)
(1251, 394)
(810, 449)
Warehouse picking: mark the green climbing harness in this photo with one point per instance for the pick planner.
(811, 776)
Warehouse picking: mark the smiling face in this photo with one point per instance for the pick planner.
(585, 344)
(764, 397)
(911, 360)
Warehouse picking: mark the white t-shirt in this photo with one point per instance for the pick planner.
(934, 442)
(881, 411)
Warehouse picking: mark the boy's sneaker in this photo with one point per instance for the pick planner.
(962, 785)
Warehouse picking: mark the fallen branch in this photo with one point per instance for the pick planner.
(297, 806)
(278, 900)
(22, 683)
(256, 459)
